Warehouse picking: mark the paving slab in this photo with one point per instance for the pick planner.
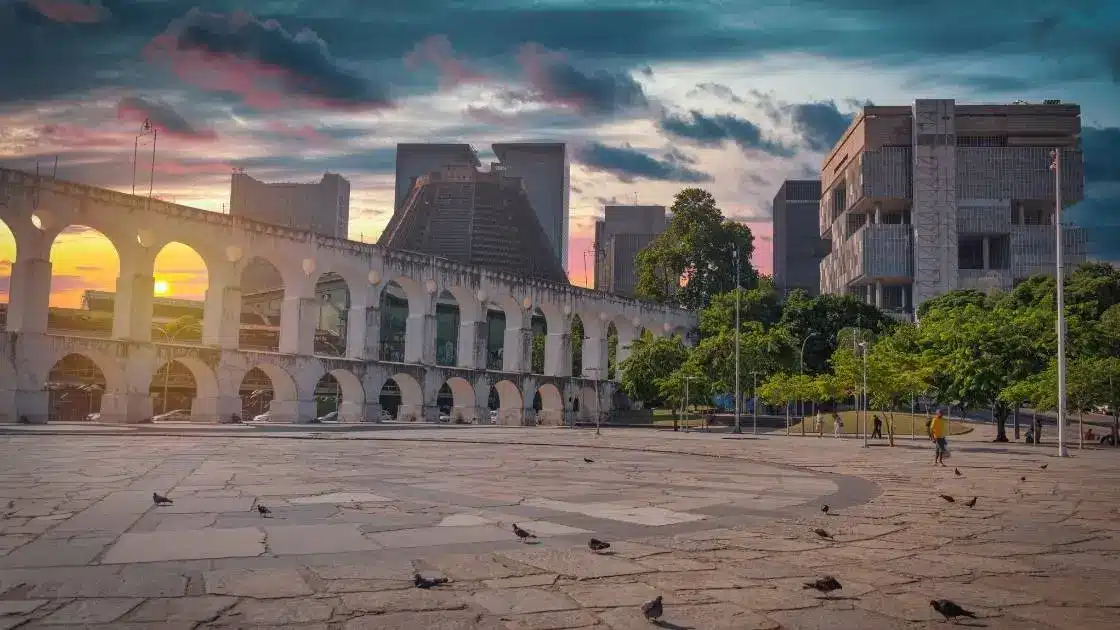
(186, 545)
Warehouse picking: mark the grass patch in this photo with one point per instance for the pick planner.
(905, 424)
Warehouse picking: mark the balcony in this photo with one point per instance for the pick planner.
(1032, 249)
(985, 280)
(1016, 173)
(874, 252)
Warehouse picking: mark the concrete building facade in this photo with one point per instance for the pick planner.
(619, 236)
(322, 207)
(798, 246)
(924, 199)
(37, 210)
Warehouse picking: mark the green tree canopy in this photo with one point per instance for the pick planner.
(691, 261)
(652, 359)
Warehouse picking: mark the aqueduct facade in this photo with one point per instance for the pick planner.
(37, 209)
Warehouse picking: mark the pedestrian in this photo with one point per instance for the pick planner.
(837, 424)
(877, 431)
(820, 425)
(938, 432)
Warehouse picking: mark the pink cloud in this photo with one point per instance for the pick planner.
(192, 168)
(69, 11)
(437, 51)
(78, 137)
(162, 117)
(303, 132)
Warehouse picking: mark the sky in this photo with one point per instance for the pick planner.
(651, 96)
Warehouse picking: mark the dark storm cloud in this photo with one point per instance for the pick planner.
(715, 130)
(819, 124)
(629, 164)
(555, 81)
(1099, 212)
(162, 116)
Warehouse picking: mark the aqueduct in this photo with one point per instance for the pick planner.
(37, 209)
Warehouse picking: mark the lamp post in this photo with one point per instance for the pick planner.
(738, 393)
(801, 404)
(170, 337)
(754, 400)
(148, 128)
(863, 346)
(1056, 166)
(684, 401)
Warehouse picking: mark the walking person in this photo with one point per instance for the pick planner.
(938, 432)
(877, 431)
(837, 424)
(820, 425)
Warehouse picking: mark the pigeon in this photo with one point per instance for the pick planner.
(521, 533)
(948, 498)
(971, 502)
(826, 585)
(597, 545)
(957, 472)
(1022, 478)
(653, 609)
(263, 510)
(949, 610)
(159, 499)
(1042, 467)
(824, 508)
(822, 533)
(588, 460)
(422, 582)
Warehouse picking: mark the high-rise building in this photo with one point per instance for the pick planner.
(415, 160)
(924, 199)
(544, 170)
(619, 236)
(322, 207)
(798, 246)
(476, 218)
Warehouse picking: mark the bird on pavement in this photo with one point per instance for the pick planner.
(1044, 466)
(822, 533)
(652, 610)
(588, 460)
(1022, 478)
(826, 585)
(597, 545)
(159, 499)
(971, 502)
(824, 508)
(263, 510)
(950, 610)
(422, 582)
(948, 498)
(957, 472)
(521, 533)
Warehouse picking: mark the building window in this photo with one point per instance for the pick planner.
(970, 252)
(893, 297)
(999, 252)
(981, 141)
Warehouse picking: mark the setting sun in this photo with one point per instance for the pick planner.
(161, 287)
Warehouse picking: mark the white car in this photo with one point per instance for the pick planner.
(177, 415)
(264, 417)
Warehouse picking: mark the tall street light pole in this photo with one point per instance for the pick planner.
(801, 409)
(170, 339)
(863, 346)
(684, 404)
(754, 400)
(738, 392)
(1056, 166)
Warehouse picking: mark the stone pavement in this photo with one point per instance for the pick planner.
(722, 527)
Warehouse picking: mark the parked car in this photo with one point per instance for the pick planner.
(384, 416)
(93, 417)
(328, 417)
(264, 417)
(177, 415)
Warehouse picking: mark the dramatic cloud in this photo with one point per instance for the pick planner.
(714, 130)
(69, 11)
(717, 89)
(437, 50)
(1099, 213)
(629, 164)
(262, 63)
(819, 125)
(163, 117)
(555, 81)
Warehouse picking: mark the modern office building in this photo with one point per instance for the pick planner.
(545, 172)
(476, 218)
(323, 208)
(619, 236)
(920, 200)
(541, 166)
(798, 246)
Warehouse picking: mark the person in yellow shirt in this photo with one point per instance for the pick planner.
(938, 430)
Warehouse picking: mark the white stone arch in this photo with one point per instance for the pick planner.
(465, 407)
(351, 407)
(470, 306)
(5, 225)
(284, 406)
(211, 259)
(513, 308)
(511, 405)
(53, 222)
(115, 379)
(552, 405)
(356, 279)
(412, 397)
(413, 290)
(289, 267)
(205, 379)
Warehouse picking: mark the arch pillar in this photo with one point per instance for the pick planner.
(216, 409)
(132, 304)
(627, 335)
(299, 315)
(558, 348)
(420, 329)
(221, 313)
(517, 346)
(363, 332)
(29, 286)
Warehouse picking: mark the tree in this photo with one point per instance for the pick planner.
(761, 351)
(691, 261)
(817, 321)
(652, 359)
(687, 377)
(786, 388)
(538, 353)
(760, 304)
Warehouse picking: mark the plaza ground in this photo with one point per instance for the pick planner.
(721, 526)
